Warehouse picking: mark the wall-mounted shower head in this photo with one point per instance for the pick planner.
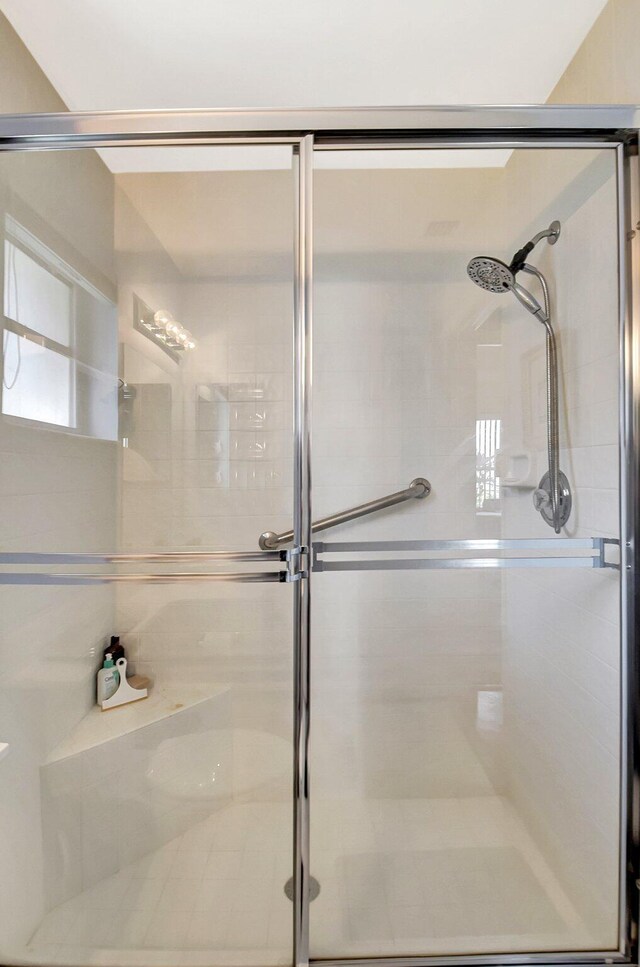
(490, 274)
(495, 276)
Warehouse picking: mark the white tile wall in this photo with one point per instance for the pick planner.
(209, 467)
(58, 494)
(562, 645)
(398, 656)
(403, 368)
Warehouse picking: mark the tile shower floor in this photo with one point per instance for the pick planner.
(397, 876)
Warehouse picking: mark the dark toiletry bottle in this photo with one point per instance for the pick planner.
(115, 648)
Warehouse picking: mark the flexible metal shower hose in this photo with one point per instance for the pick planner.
(553, 444)
(553, 435)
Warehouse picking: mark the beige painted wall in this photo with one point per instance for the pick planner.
(605, 69)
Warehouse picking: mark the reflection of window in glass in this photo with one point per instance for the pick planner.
(487, 480)
(35, 297)
(38, 382)
(59, 341)
(38, 377)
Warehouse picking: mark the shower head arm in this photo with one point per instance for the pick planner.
(552, 233)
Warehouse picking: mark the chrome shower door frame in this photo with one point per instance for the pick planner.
(614, 127)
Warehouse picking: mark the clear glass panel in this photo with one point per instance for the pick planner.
(465, 742)
(160, 831)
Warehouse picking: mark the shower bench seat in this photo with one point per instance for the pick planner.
(149, 770)
(163, 702)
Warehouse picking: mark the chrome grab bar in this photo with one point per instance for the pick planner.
(417, 489)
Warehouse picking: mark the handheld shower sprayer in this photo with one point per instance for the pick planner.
(526, 299)
(553, 497)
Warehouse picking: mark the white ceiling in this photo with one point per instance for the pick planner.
(129, 54)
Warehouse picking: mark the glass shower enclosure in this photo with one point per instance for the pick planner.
(436, 763)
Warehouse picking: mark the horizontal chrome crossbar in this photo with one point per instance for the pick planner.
(481, 544)
(152, 557)
(28, 577)
(443, 563)
(51, 578)
(595, 559)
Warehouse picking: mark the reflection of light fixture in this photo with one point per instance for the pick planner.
(171, 333)
(162, 329)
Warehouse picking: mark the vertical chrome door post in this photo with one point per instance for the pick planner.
(628, 190)
(303, 160)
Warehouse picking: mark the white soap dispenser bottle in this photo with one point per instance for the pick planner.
(108, 679)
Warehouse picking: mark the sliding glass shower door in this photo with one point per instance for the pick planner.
(466, 677)
(147, 437)
(466, 664)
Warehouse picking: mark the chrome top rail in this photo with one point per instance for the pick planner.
(88, 128)
(417, 489)
(597, 558)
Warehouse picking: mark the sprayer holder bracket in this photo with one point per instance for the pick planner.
(544, 505)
